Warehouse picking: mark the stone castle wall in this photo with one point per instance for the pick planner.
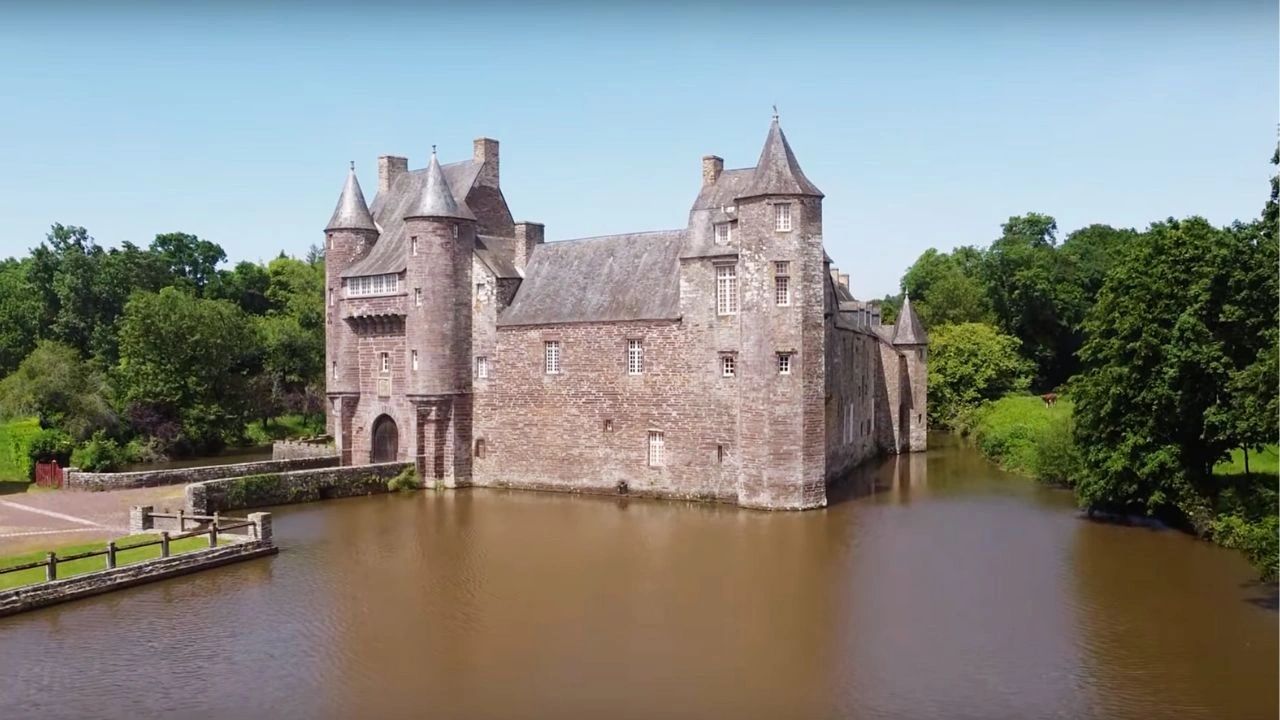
(299, 449)
(79, 480)
(252, 491)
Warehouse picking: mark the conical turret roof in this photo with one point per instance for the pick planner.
(908, 330)
(437, 199)
(351, 213)
(778, 172)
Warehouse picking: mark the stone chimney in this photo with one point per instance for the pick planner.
(835, 274)
(712, 166)
(390, 167)
(528, 236)
(485, 154)
(843, 281)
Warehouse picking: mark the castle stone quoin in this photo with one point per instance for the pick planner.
(726, 360)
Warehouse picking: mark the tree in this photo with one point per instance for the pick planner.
(19, 314)
(297, 289)
(60, 389)
(1181, 336)
(970, 363)
(1092, 251)
(245, 285)
(192, 260)
(948, 287)
(1035, 296)
(187, 358)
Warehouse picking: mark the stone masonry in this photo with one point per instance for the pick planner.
(724, 361)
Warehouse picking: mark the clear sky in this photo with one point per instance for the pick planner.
(927, 124)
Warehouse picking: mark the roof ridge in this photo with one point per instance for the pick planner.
(616, 235)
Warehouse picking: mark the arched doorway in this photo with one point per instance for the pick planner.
(386, 440)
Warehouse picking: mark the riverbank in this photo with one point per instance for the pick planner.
(1023, 435)
(126, 554)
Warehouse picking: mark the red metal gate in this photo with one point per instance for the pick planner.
(48, 474)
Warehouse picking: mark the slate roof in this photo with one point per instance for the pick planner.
(351, 212)
(604, 279)
(391, 251)
(436, 199)
(908, 330)
(778, 172)
(497, 254)
(725, 191)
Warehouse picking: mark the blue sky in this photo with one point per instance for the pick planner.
(926, 124)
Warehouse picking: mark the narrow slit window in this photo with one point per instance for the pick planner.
(334, 369)
(385, 362)
(720, 453)
(417, 297)
(413, 244)
(413, 360)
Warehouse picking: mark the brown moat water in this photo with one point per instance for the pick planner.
(954, 592)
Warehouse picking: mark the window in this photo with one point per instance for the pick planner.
(608, 425)
(479, 447)
(330, 297)
(782, 283)
(782, 217)
(657, 448)
(726, 290)
(417, 297)
(720, 453)
(635, 357)
(413, 360)
(482, 367)
(413, 244)
(551, 353)
(334, 370)
(724, 233)
(455, 229)
(728, 366)
(385, 361)
(784, 363)
(373, 285)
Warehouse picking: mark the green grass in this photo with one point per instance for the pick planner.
(15, 436)
(1266, 462)
(1008, 430)
(124, 556)
(283, 427)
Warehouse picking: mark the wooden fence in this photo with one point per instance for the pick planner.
(215, 526)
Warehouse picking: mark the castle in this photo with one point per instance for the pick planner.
(724, 361)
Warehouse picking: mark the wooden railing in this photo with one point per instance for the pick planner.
(216, 525)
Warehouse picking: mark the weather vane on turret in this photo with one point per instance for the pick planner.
(775, 112)
(353, 164)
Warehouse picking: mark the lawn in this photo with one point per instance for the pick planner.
(124, 556)
(1266, 462)
(285, 426)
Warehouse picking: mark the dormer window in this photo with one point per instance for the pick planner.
(724, 233)
(782, 217)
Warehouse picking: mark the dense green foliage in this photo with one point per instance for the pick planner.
(157, 351)
(1168, 341)
(970, 363)
(15, 443)
(405, 481)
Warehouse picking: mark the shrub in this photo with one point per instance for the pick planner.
(15, 448)
(405, 481)
(100, 454)
(1055, 457)
(1259, 540)
(50, 444)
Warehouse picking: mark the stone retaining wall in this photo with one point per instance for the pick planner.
(284, 488)
(79, 480)
(30, 597)
(298, 449)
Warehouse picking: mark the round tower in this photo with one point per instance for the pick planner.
(348, 237)
(442, 244)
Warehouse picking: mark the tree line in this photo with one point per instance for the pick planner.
(144, 353)
(1166, 340)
